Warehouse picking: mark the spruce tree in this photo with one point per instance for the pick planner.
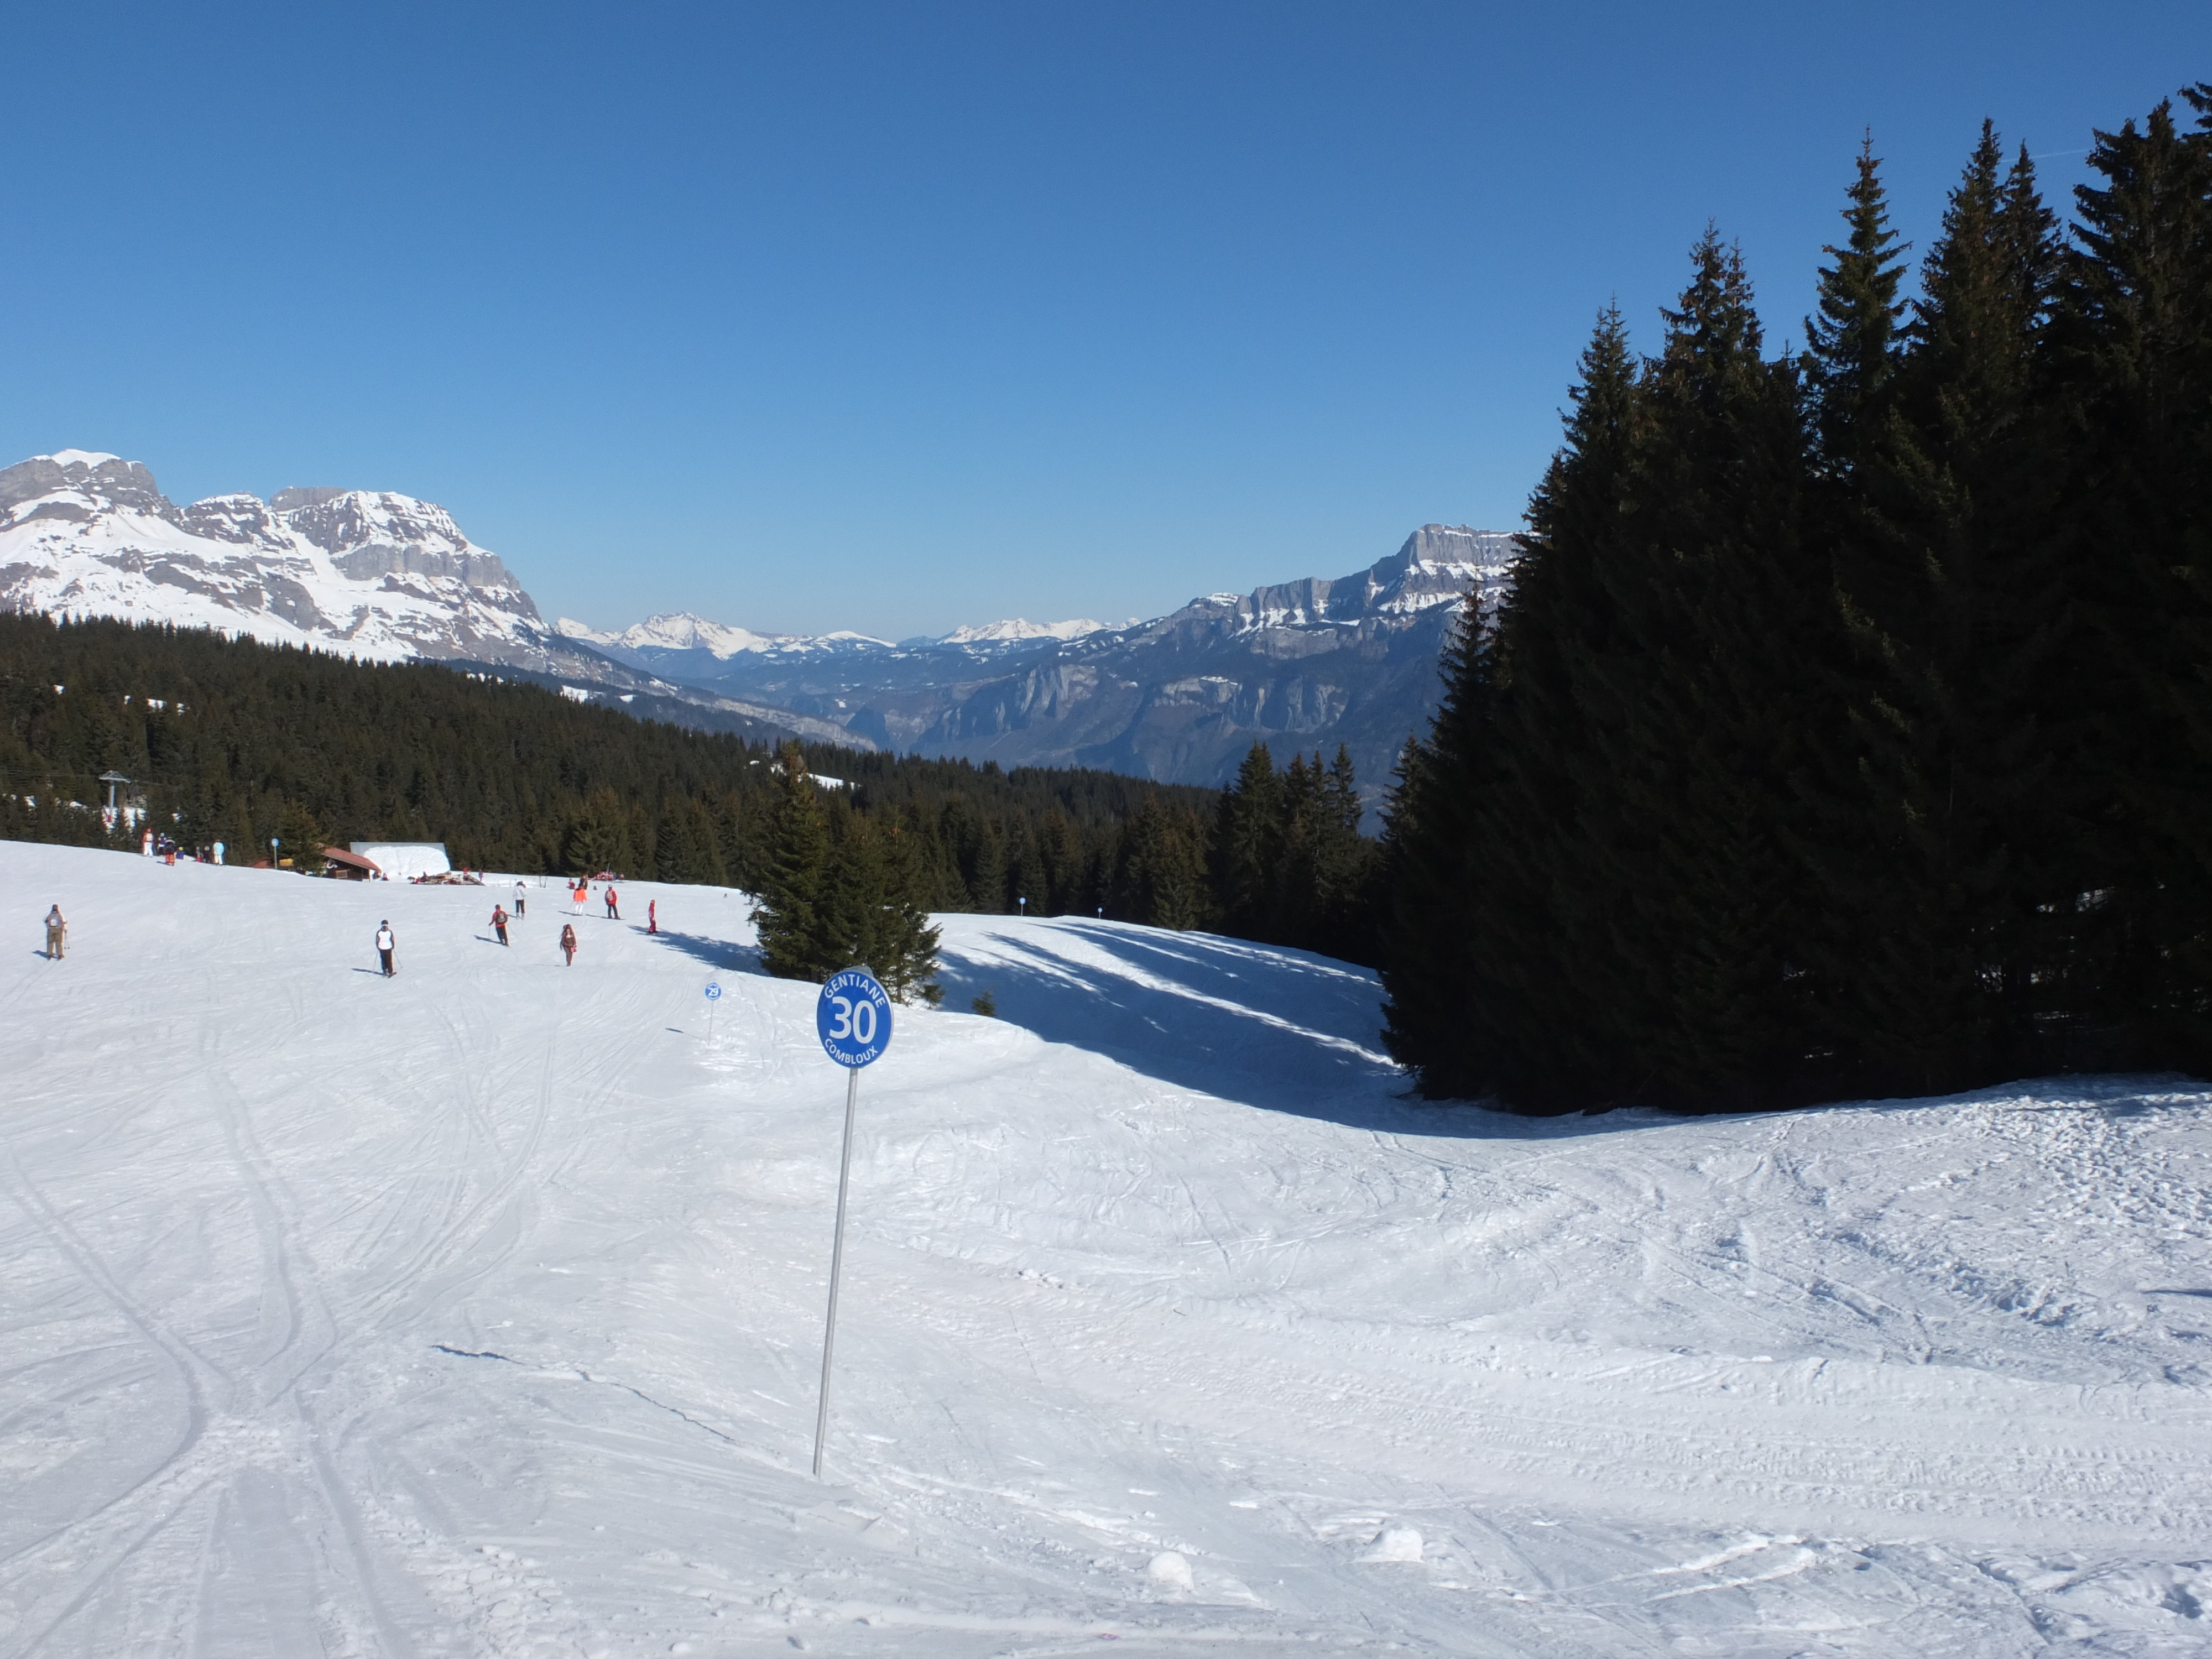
(1952, 593)
(1501, 974)
(786, 908)
(2136, 333)
(1248, 845)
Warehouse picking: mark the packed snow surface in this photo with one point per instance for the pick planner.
(478, 1312)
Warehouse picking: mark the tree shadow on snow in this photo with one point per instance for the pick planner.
(1264, 1026)
(714, 952)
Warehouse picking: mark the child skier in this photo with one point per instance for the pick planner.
(499, 921)
(653, 915)
(611, 911)
(385, 944)
(57, 934)
(569, 945)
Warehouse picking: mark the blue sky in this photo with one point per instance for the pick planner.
(898, 316)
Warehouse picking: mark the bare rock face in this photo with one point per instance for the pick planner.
(372, 534)
(54, 479)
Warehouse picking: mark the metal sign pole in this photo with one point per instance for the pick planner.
(836, 1267)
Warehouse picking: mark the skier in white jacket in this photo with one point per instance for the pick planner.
(385, 944)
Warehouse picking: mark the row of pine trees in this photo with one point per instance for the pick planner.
(1284, 862)
(1849, 729)
(232, 741)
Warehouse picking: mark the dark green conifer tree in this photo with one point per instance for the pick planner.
(1247, 846)
(786, 908)
(1953, 600)
(2136, 333)
(1162, 880)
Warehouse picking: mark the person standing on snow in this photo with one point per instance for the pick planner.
(521, 900)
(385, 944)
(499, 922)
(569, 945)
(653, 915)
(57, 934)
(611, 912)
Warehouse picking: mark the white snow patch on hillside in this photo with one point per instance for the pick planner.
(1020, 629)
(478, 1311)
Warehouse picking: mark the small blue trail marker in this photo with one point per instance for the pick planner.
(714, 996)
(853, 1017)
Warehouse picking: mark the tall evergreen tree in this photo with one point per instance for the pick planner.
(1248, 844)
(1720, 743)
(1951, 592)
(787, 904)
(1496, 954)
(866, 915)
(2136, 330)
(1852, 346)
(1162, 880)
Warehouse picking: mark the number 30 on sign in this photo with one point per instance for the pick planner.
(854, 1018)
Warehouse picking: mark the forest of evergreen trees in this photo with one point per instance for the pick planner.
(1849, 729)
(234, 741)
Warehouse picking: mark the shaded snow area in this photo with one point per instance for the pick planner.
(478, 1312)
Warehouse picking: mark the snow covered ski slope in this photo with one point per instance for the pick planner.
(477, 1312)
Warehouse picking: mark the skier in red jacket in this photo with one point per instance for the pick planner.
(611, 911)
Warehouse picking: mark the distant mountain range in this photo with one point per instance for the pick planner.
(1303, 664)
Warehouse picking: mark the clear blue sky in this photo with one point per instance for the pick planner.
(898, 316)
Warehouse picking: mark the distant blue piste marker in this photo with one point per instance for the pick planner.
(852, 1016)
(714, 996)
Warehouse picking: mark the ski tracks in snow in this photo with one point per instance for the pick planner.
(476, 1311)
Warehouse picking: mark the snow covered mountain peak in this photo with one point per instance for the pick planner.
(372, 573)
(680, 630)
(1020, 628)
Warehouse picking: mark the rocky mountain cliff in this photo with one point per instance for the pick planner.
(369, 573)
(380, 575)
(1302, 665)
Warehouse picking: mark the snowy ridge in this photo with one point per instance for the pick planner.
(674, 631)
(1020, 629)
(478, 1311)
(379, 576)
(1439, 564)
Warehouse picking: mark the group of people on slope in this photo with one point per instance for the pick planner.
(387, 943)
